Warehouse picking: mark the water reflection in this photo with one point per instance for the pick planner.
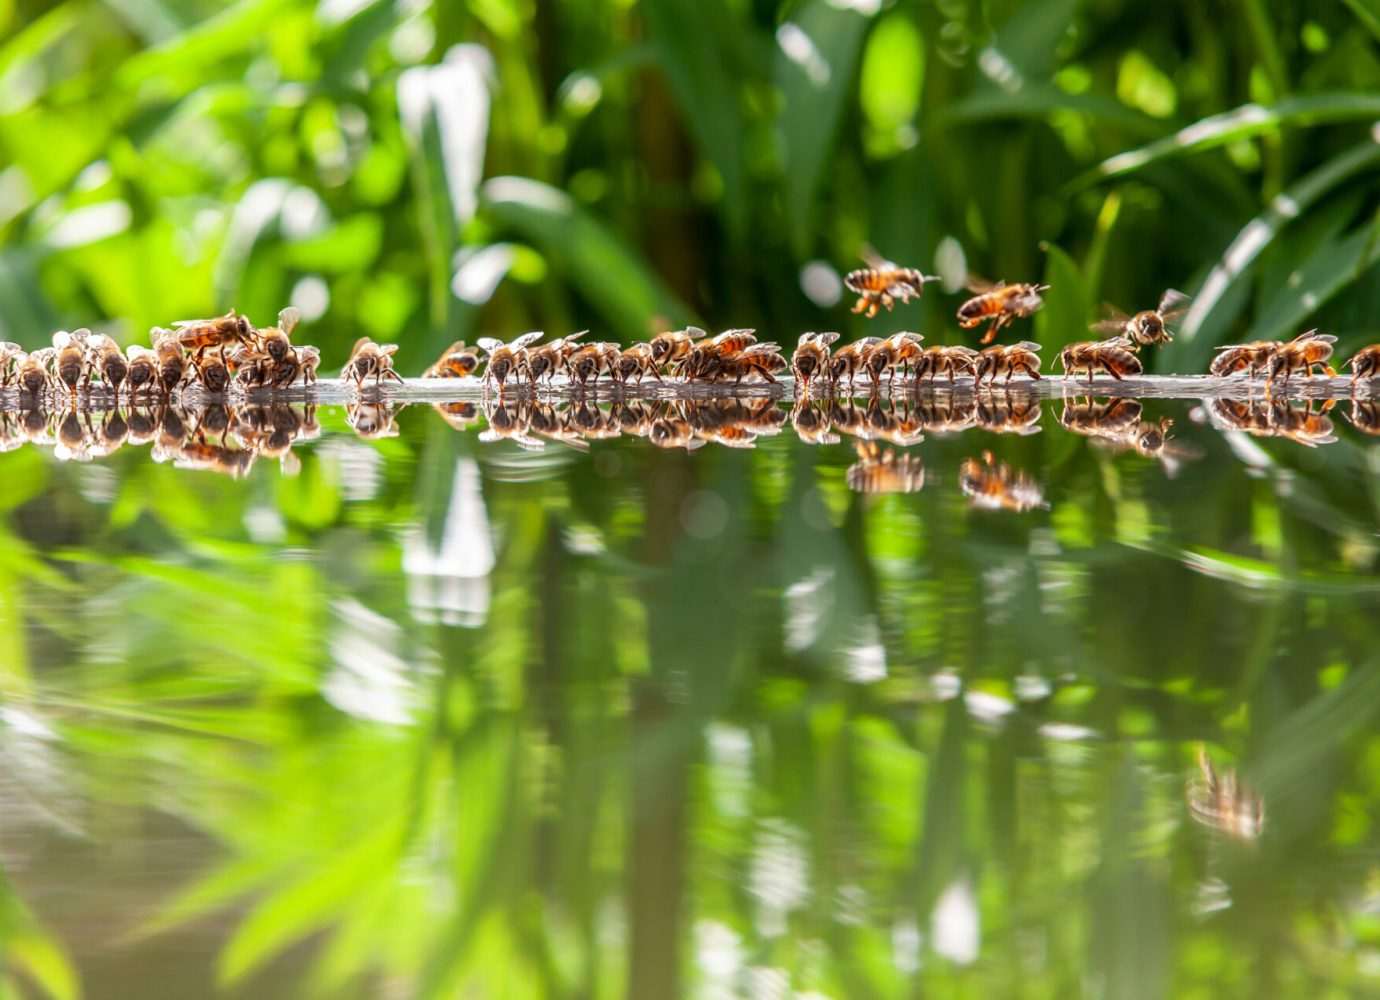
(1217, 800)
(1297, 420)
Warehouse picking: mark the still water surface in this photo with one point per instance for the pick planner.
(954, 698)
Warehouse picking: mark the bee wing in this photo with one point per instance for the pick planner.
(290, 464)
(727, 334)
(569, 338)
(288, 319)
(873, 259)
(389, 349)
(979, 285)
(695, 332)
(827, 338)
(1027, 345)
(359, 344)
(762, 349)
(1112, 320)
(1173, 305)
(489, 345)
(525, 339)
(1123, 343)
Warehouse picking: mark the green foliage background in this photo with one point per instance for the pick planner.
(624, 165)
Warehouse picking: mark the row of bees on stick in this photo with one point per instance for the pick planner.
(216, 354)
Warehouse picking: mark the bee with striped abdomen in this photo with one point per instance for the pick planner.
(883, 283)
(1090, 357)
(998, 302)
(1147, 328)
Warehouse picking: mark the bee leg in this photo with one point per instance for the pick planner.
(766, 375)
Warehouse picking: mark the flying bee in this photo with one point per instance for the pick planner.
(670, 348)
(456, 361)
(851, 359)
(70, 362)
(949, 360)
(899, 351)
(811, 357)
(591, 360)
(504, 359)
(548, 360)
(637, 360)
(1303, 353)
(368, 358)
(992, 485)
(1089, 357)
(274, 340)
(883, 283)
(759, 359)
(884, 470)
(703, 359)
(1252, 358)
(1001, 303)
(172, 363)
(103, 356)
(143, 368)
(197, 335)
(1215, 799)
(1147, 328)
(10, 355)
(1009, 360)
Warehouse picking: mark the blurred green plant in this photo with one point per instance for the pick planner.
(652, 162)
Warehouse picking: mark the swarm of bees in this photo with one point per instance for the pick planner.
(1217, 800)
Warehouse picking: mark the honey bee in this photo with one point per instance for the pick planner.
(1365, 363)
(992, 485)
(811, 357)
(706, 355)
(634, 416)
(274, 340)
(851, 359)
(950, 360)
(10, 355)
(670, 348)
(1009, 360)
(883, 283)
(298, 364)
(252, 368)
(1008, 410)
(70, 363)
(143, 368)
(759, 359)
(811, 422)
(548, 360)
(456, 361)
(1113, 418)
(884, 470)
(211, 370)
(509, 420)
(1001, 303)
(103, 355)
(940, 412)
(368, 358)
(1302, 354)
(591, 360)
(1111, 356)
(1252, 358)
(1147, 328)
(672, 430)
(197, 335)
(898, 351)
(505, 359)
(1301, 424)
(172, 364)
(32, 372)
(636, 360)
(1216, 800)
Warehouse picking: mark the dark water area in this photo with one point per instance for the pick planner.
(955, 695)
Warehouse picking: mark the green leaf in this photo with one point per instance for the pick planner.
(1328, 270)
(1243, 123)
(690, 41)
(816, 55)
(1068, 303)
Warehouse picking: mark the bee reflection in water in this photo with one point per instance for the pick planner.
(1117, 424)
(992, 485)
(1278, 417)
(884, 470)
(1216, 799)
